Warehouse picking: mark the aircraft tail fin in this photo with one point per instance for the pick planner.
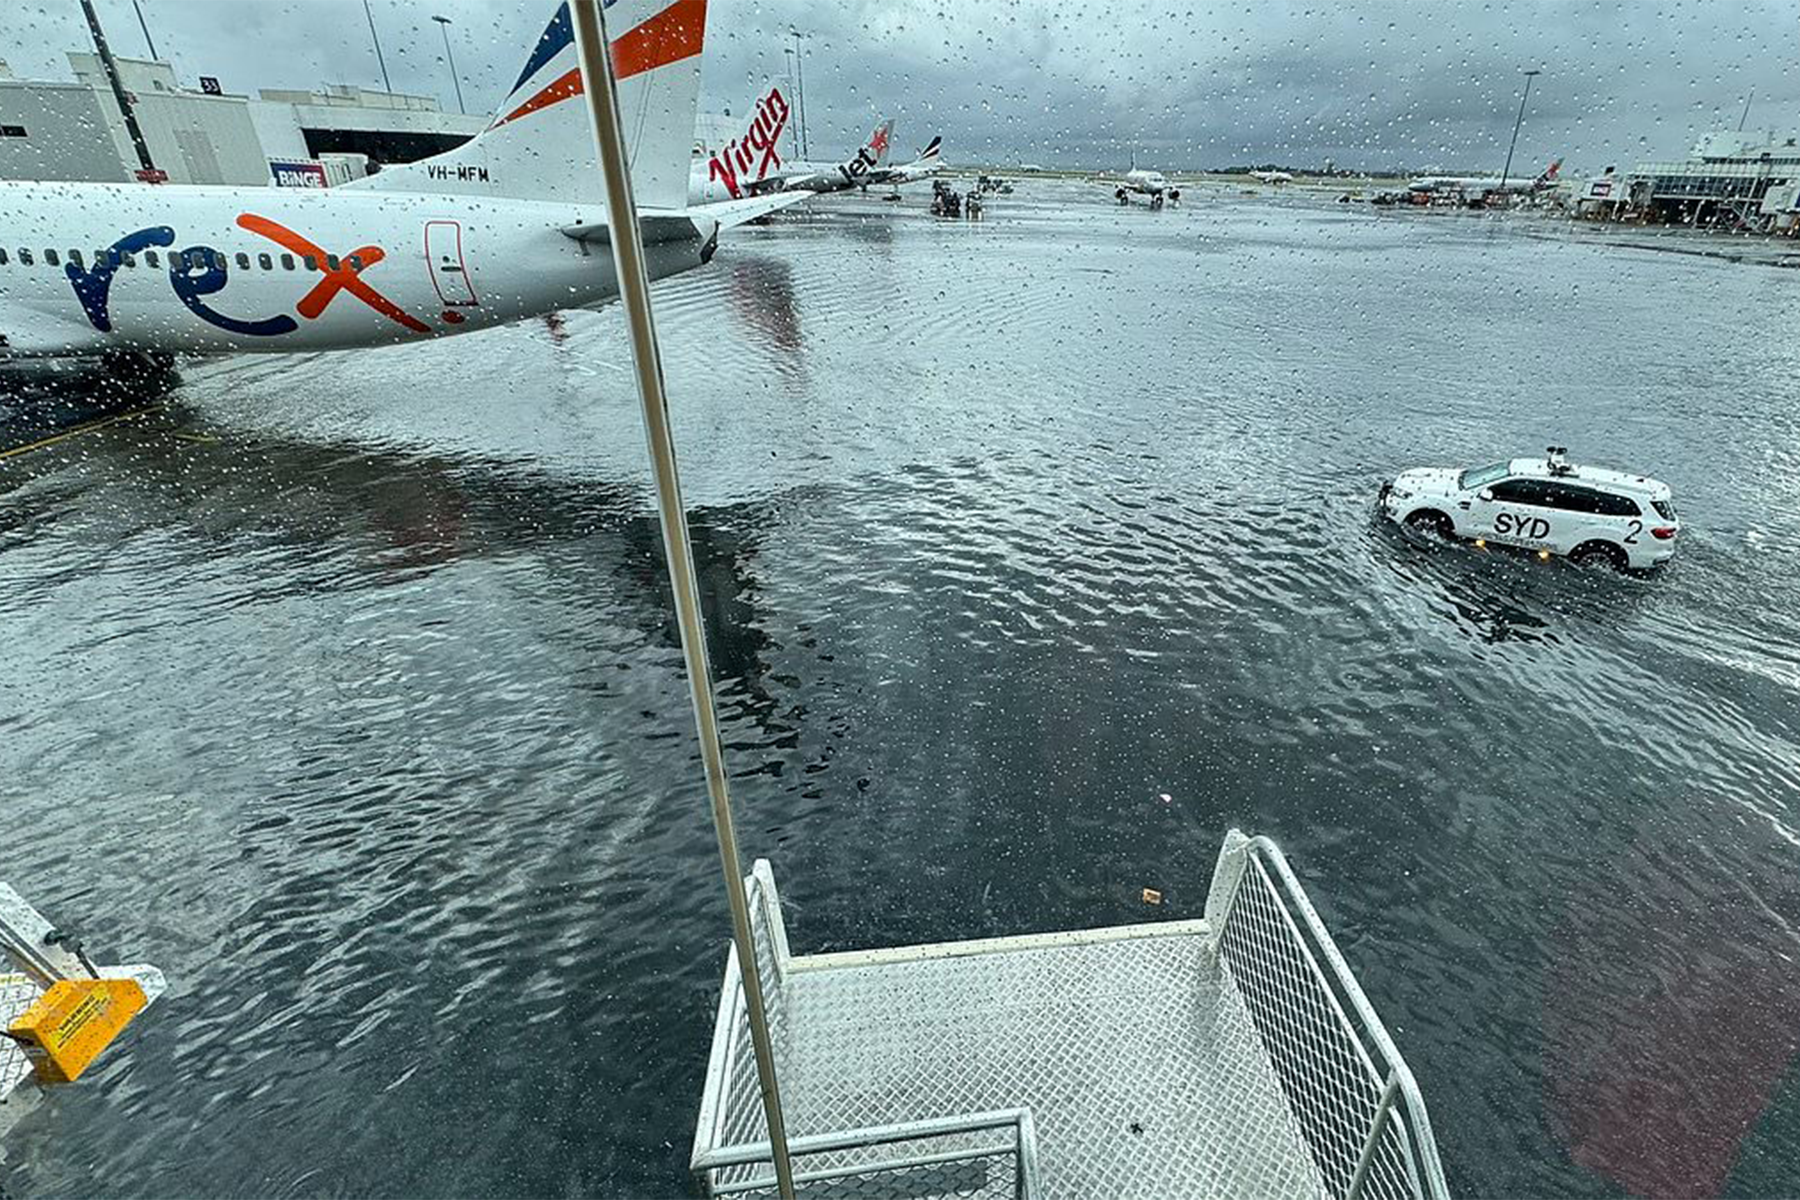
(930, 153)
(742, 166)
(876, 151)
(540, 143)
(1549, 175)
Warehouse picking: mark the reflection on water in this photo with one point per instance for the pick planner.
(1004, 532)
(762, 296)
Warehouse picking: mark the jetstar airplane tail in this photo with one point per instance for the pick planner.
(876, 152)
(540, 144)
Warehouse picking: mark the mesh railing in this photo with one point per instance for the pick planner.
(1353, 1098)
(18, 992)
(980, 1156)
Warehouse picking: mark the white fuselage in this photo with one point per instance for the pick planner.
(1475, 185)
(1149, 183)
(209, 270)
(707, 186)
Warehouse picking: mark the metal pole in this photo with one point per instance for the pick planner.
(1383, 1109)
(1746, 116)
(145, 26)
(800, 93)
(1517, 121)
(444, 25)
(376, 38)
(794, 88)
(111, 70)
(634, 293)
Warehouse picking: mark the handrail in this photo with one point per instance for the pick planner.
(1376, 1129)
(1281, 909)
(1023, 1147)
(1424, 1144)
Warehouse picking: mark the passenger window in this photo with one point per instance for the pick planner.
(24, 257)
(50, 258)
(2, 258)
(265, 262)
(1617, 506)
(243, 261)
(130, 260)
(331, 262)
(287, 262)
(1519, 491)
(75, 257)
(214, 259)
(312, 264)
(150, 259)
(1569, 499)
(356, 262)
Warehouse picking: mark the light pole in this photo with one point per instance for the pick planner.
(376, 38)
(795, 131)
(1533, 73)
(800, 89)
(444, 26)
(145, 26)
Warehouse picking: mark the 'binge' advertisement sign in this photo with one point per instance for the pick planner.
(297, 174)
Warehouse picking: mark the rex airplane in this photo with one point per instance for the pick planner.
(510, 224)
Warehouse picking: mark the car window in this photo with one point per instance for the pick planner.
(1664, 509)
(1611, 504)
(1480, 477)
(1521, 491)
(1570, 498)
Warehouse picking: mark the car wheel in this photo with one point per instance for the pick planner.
(1429, 520)
(1599, 554)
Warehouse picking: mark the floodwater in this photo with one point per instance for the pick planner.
(343, 687)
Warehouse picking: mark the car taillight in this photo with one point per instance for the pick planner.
(1664, 532)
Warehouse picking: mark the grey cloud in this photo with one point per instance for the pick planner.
(1401, 83)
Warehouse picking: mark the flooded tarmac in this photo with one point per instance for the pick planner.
(344, 687)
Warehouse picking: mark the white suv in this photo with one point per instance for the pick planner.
(1549, 505)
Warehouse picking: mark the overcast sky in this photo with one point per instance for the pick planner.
(1418, 83)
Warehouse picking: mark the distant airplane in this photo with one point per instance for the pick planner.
(1479, 187)
(509, 225)
(1272, 176)
(1144, 183)
(924, 166)
(751, 165)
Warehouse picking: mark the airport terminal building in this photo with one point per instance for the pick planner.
(1740, 180)
(56, 129)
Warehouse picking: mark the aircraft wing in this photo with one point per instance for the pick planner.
(680, 224)
(732, 213)
(656, 227)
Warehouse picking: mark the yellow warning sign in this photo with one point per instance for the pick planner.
(72, 1022)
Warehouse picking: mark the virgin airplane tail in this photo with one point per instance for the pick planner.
(540, 143)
